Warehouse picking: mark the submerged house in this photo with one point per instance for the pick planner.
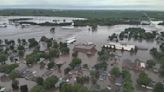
(145, 23)
(120, 46)
(89, 49)
(71, 40)
(136, 66)
(4, 77)
(119, 81)
(43, 46)
(128, 64)
(139, 65)
(3, 25)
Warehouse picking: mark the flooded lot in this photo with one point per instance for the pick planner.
(83, 35)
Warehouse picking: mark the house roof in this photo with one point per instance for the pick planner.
(60, 62)
(119, 80)
(84, 46)
(142, 65)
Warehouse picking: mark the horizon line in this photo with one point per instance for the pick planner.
(86, 7)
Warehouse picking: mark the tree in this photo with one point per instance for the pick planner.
(50, 82)
(55, 44)
(51, 65)
(1, 41)
(20, 47)
(52, 30)
(75, 62)
(11, 47)
(24, 42)
(103, 55)
(53, 53)
(162, 47)
(67, 70)
(31, 59)
(94, 27)
(158, 88)
(32, 43)
(7, 68)
(115, 72)
(75, 54)
(21, 50)
(143, 79)
(85, 66)
(150, 64)
(63, 48)
(6, 41)
(154, 52)
(127, 82)
(38, 88)
(39, 80)
(94, 76)
(47, 40)
(21, 53)
(64, 20)
(101, 65)
(13, 75)
(19, 41)
(35, 57)
(161, 71)
(82, 80)
(15, 84)
(3, 58)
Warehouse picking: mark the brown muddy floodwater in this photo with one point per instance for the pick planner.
(83, 35)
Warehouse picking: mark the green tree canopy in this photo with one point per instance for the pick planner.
(37, 88)
(53, 53)
(75, 61)
(13, 75)
(8, 68)
(3, 58)
(51, 65)
(50, 82)
(115, 72)
(32, 43)
(158, 87)
(39, 80)
(101, 65)
(150, 64)
(35, 56)
(127, 82)
(103, 55)
(143, 79)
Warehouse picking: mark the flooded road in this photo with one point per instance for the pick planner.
(83, 35)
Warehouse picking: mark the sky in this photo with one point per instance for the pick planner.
(85, 4)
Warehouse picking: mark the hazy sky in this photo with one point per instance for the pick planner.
(147, 4)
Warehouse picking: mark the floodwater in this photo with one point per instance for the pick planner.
(83, 35)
